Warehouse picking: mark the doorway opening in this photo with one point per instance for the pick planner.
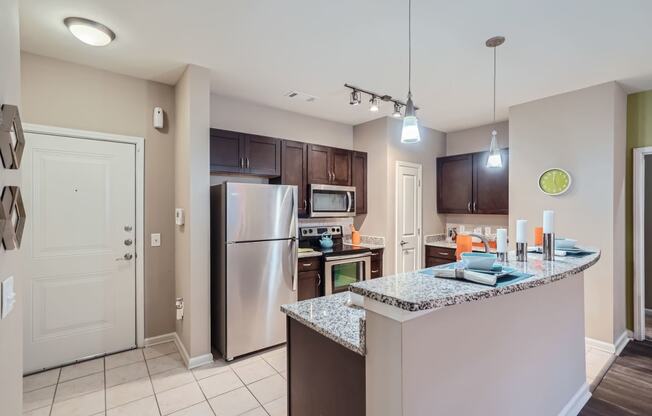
(642, 226)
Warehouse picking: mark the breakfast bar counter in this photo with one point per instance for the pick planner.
(425, 345)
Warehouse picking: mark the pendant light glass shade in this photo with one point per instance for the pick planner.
(410, 132)
(494, 160)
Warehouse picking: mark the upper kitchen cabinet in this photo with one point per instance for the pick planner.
(490, 185)
(328, 165)
(359, 180)
(294, 170)
(466, 186)
(455, 184)
(232, 152)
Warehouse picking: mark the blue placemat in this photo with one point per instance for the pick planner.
(509, 279)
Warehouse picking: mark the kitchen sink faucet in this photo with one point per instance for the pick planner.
(484, 240)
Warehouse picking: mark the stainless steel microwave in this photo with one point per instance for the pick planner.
(332, 201)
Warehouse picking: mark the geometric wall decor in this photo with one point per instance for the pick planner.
(12, 139)
(12, 217)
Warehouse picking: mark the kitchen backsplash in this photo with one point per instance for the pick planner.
(488, 231)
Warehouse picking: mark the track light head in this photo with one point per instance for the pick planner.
(355, 98)
(374, 104)
(397, 110)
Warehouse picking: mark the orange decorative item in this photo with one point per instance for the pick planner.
(538, 236)
(355, 236)
(464, 245)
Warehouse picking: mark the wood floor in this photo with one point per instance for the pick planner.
(626, 389)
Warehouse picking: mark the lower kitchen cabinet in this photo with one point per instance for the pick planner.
(436, 256)
(377, 263)
(309, 279)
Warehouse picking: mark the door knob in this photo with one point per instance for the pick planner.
(403, 242)
(126, 257)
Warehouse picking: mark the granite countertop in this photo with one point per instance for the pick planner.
(367, 245)
(415, 291)
(311, 254)
(331, 317)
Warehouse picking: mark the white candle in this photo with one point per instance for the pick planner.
(548, 222)
(521, 231)
(501, 240)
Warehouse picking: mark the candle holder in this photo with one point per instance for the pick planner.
(521, 252)
(549, 246)
(502, 257)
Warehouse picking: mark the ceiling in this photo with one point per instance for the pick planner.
(259, 50)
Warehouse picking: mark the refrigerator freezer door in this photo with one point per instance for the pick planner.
(260, 278)
(257, 212)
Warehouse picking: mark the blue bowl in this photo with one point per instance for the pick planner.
(478, 261)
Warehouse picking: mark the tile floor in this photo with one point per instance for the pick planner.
(154, 381)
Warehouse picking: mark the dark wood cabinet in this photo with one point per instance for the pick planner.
(376, 263)
(233, 152)
(294, 171)
(490, 185)
(436, 256)
(359, 180)
(309, 279)
(329, 165)
(466, 186)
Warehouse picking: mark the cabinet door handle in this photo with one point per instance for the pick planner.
(374, 254)
(375, 271)
(242, 162)
(247, 163)
(468, 206)
(306, 264)
(474, 210)
(318, 277)
(444, 254)
(305, 205)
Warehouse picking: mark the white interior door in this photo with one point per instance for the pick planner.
(408, 217)
(79, 249)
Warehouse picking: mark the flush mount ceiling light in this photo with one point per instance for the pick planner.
(374, 104)
(410, 132)
(494, 160)
(88, 31)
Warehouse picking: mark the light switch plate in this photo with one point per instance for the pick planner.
(8, 296)
(156, 240)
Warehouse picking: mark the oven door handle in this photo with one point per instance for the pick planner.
(348, 257)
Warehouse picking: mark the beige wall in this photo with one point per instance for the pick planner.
(476, 139)
(64, 94)
(11, 328)
(472, 140)
(381, 139)
(581, 131)
(192, 184)
(234, 114)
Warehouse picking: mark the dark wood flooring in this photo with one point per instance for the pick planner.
(626, 389)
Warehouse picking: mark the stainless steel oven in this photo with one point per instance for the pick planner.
(332, 201)
(342, 270)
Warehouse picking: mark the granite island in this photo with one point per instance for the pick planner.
(412, 345)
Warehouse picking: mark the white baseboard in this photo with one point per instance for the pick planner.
(160, 339)
(616, 348)
(577, 402)
(191, 362)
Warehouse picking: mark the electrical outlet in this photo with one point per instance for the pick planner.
(156, 240)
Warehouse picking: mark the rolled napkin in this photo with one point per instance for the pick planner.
(481, 278)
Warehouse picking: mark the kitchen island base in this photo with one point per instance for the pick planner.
(520, 354)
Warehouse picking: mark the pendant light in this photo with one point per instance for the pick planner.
(410, 132)
(494, 160)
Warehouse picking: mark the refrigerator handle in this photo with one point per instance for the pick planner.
(295, 265)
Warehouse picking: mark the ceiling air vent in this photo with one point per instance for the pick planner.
(300, 96)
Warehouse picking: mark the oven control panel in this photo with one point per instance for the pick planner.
(334, 230)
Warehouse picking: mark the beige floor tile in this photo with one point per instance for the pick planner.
(142, 407)
(278, 361)
(40, 380)
(220, 384)
(279, 350)
(38, 398)
(159, 350)
(126, 373)
(256, 412)
(79, 387)
(278, 407)
(269, 389)
(172, 378)
(179, 398)
(164, 363)
(128, 392)
(89, 404)
(82, 369)
(200, 409)
(245, 361)
(216, 367)
(234, 402)
(254, 371)
(43, 411)
(123, 358)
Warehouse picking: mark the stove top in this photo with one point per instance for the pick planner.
(309, 238)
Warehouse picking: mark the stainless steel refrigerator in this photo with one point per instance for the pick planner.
(254, 262)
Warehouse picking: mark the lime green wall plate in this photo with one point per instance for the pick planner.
(555, 181)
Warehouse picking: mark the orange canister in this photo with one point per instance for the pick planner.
(464, 244)
(538, 236)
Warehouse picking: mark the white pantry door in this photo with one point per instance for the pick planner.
(79, 249)
(408, 217)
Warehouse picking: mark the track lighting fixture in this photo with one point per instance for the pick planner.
(355, 97)
(374, 104)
